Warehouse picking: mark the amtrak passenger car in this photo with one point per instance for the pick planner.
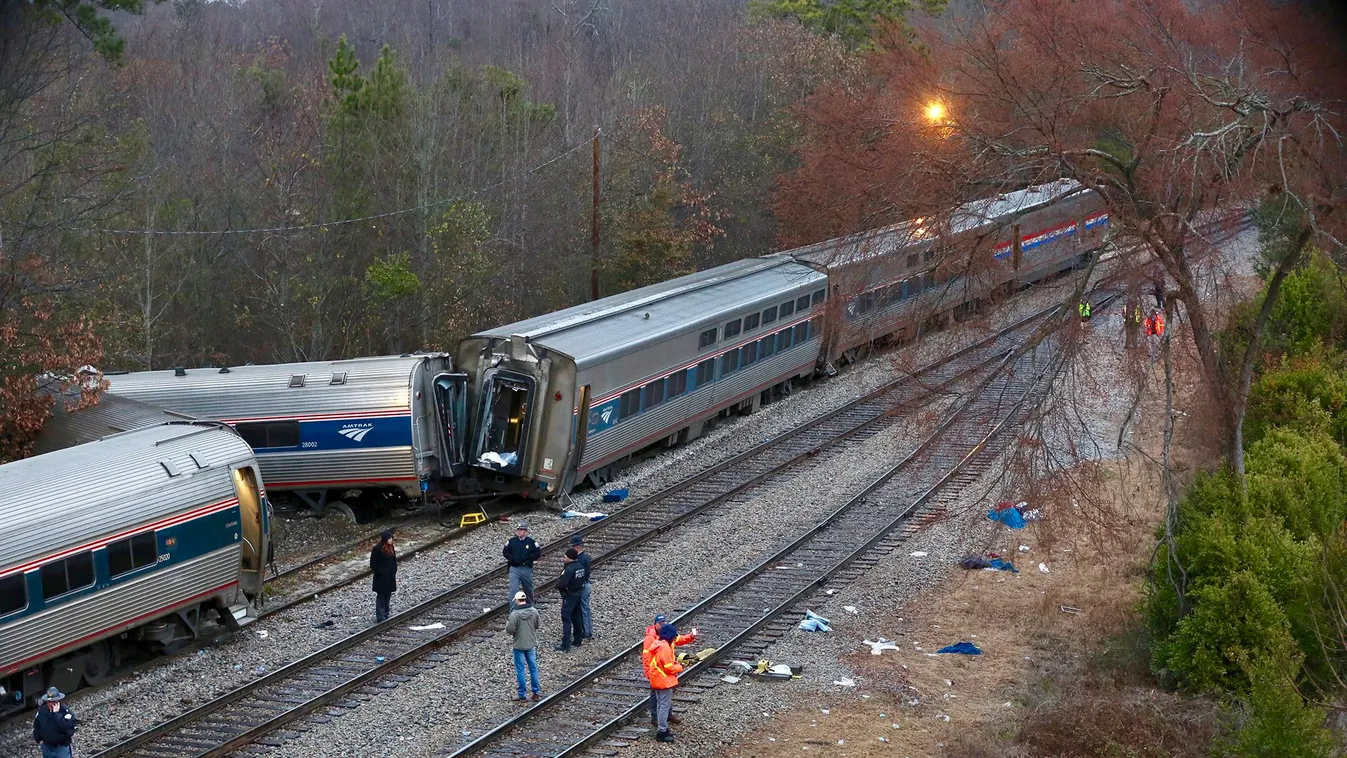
(121, 545)
(388, 426)
(562, 396)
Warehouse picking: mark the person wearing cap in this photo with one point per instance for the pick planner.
(662, 670)
(571, 585)
(54, 725)
(520, 552)
(523, 625)
(383, 564)
(647, 649)
(578, 544)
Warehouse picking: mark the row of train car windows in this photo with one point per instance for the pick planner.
(655, 393)
(76, 572)
(883, 297)
(753, 320)
(269, 433)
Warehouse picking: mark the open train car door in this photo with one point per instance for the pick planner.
(505, 416)
(253, 529)
(451, 403)
(581, 436)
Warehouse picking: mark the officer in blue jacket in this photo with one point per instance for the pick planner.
(54, 725)
(571, 585)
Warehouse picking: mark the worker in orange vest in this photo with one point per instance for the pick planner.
(662, 669)
(647, 650)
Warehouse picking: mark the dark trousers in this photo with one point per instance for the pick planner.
(382, 601)
(572, 620)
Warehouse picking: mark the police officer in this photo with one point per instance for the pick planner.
(520, 552)
(578, 544)
(54, 725)
(571, 585)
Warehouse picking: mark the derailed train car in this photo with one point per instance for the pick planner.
(385, 429)
(124, 545)
(563, 397)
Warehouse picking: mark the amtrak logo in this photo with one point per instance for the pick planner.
(355, 432)
(607, 414)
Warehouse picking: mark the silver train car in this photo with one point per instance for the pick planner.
(109, 415)
(388, 427)
(560, 398)
(121, 545)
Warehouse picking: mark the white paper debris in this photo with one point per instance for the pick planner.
(845, 681)
(850, 609)
(1043, 568)
(1024, 548)
(730, 679)
(879, 647)
(262, 633)
(426, 627)
(917, 554)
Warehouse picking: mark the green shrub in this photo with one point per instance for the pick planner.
(1311, 309)
(1310, 395)
(1273, 721)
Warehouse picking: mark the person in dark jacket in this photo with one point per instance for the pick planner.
(578, 543)
(520, 552)
(571, 585)
(54, 725)
(383, 561)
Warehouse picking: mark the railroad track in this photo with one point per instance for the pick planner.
(269, 703)
(853, 537)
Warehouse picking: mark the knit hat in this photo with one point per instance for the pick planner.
(570, 553)
(667, 632)
(521, 596)
(386, 535)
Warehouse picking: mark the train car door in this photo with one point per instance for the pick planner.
(253, 530)
(1016, 251)
(505, 416)
(577, 453)
(451, 403)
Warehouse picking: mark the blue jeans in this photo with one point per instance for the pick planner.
(56, 752)
(531, 657)
(584, 610)
(521, 578)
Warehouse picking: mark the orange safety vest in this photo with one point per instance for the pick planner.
(652, 636)
(1159, 325)
(660, 667)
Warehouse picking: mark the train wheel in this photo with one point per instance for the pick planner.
(97, 664)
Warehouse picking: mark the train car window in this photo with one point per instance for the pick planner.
(125, 556)
(750, 321)
(707, 339)
(818, 296)
(678, 383)
(787, 308)
(729, 363)
(749, 353)
(263, 434)
(732, 328)
(912, 260)
(802, 303)
(816, 326)
(630, 404)
(13, 593)
(71, 573)
(801, 332)
(783, 341)
(769, 315)
(767, 346)
(653, 394)
(706, 371)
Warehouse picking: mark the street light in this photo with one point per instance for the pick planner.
(935, 112)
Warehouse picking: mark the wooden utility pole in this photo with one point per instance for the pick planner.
(594, 227)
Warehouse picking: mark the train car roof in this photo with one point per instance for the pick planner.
(88, 492)
(111, 414)
(276, 390)
(990, 213)
(593, 332)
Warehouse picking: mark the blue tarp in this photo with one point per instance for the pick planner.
(1001, 565)
(962, 648)
(615, 496)
(1011, 517)
(815, 623)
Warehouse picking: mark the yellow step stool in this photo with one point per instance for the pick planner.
(472, 519)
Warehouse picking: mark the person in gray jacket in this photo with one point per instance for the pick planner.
(523, 624)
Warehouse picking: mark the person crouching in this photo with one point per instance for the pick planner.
(662, 670)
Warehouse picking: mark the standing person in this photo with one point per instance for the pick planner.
(54, 725)
(1132, 319)
(662, 670)
(520, 552)
(571, 585)
(523, 624)
(383, 561)
(647, 649)
(578, 545)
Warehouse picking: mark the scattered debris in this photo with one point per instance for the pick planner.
(845, 681)
(991, 562)
(1024, 548)
(876, 648)
(426, 627)
(730, 679)
(1007, 514)
(830, 592)
(824, 711)
(815, 623)
(942, 717)
(492, 458)
(262, 633)
(616, 496)
(961, 648)
(918, 554)
(850, 609)
(1035, 515)
(592, 516)
(1069, 609)
(1043, 568)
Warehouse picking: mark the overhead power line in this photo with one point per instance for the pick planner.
(339, 222)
